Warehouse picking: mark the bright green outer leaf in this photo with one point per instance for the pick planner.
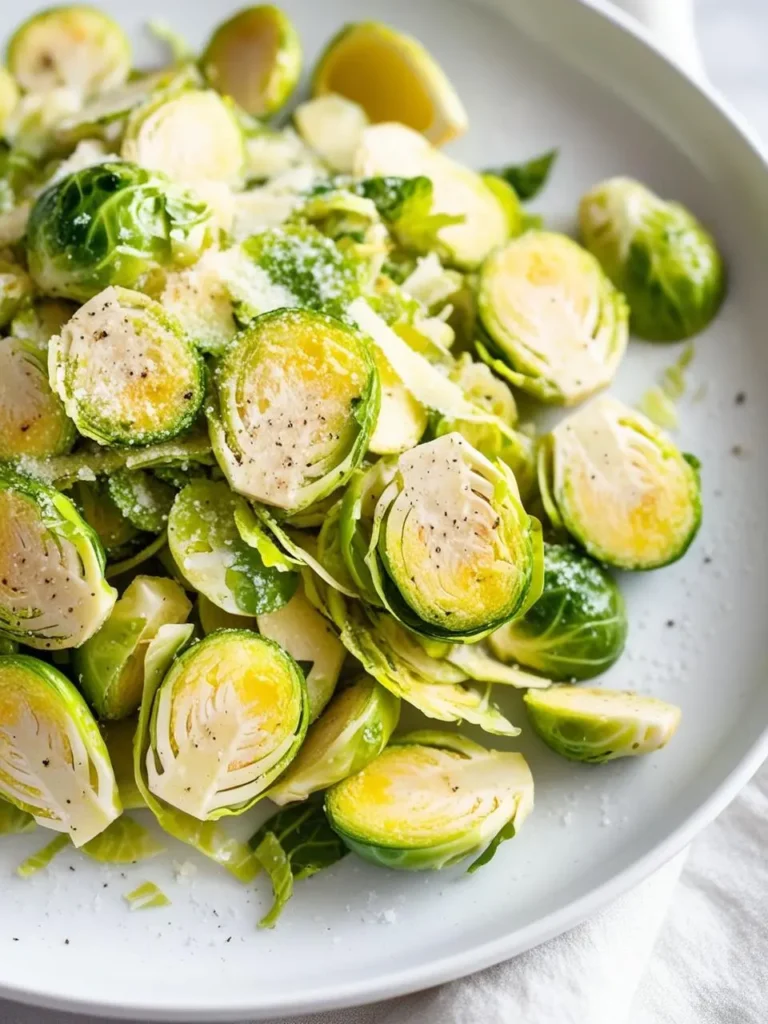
(658, 254)
(430, 800)
(295, 843)
(298, 545)
(529, 178)
(227, 719)
(126, 371)
(593, 725)
(125, 841)
(211, 554)
(577, 628)
(72, 45)
(207, 837)
(33, 421)
(256, 536)
(42, 858)
(13, 821)
(323, 391)
(355, 524)
(53, 593)
(111, 224)
(110, 664)
(476, 661)
(620, 487)
(142, 498)
(146, 896)
(554, 324)
(53, 761)
(405, 204)
(447, 702)
(353, 729)
(312, 641)
(452, 552)
(119, 737)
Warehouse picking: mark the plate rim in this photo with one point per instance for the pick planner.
(458, 965)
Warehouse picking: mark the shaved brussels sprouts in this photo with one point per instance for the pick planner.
(207, 837)
(15, 289)
(212, 617)
(255, 57)
(126, 372)
(119, 737)
(73, 45)
(481, 219)
(389, 653)
(227, 719)
(592, 725)
(112, 224)
(576, 629)
(110, 664)
(143, 499)
(192, 136)
(620, 487)
(332, 126)
(402, 419)
(33, 422)
(661, 257)
(556, 326)
(9, 97)
(452, 553)
(53, 762)
(298, 397)
(53, 594)
(351, 732)
(40, 320)
(430, 800)
(485, 390)
(312, 642)
(209, 551)
(119, 537)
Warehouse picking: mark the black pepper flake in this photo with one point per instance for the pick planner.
(740, 398)
(670, 623)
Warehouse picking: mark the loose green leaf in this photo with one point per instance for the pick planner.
(125, 841)
(294, 844)
(14, 821)
(40, 860)
(147, 896)
(528, 179)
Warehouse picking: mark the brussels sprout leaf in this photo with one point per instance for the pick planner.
(294, 844)
(146, 896)
(528, 179)
(405, 204)
(37, 861)
(13, 821)
(508, 832)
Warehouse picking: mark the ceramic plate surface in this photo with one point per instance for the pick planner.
(534, 74)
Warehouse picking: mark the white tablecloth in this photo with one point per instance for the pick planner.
(689, 945)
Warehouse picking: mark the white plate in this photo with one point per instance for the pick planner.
(357, 933)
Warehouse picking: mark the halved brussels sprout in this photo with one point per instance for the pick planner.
(33, 421)
(557, 327)
(658, 254)
(388, 652)
(191, 136)
(143, 499)
(227, 719)
(209, 551)
(312, 642)
(207, 837)
(352, 731)
(430, 800)
(53, 762)
(125, 370)
(620, 487)
(112, 224)
(53, 593)
(15, 289)
(393, 149)
(73, 45)
(576, 629)
(9, 97)
(307, 267)
(110, 664)
(298, 397)
(592, 725)
(453, 554)
(255, 57)
(332, 126)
